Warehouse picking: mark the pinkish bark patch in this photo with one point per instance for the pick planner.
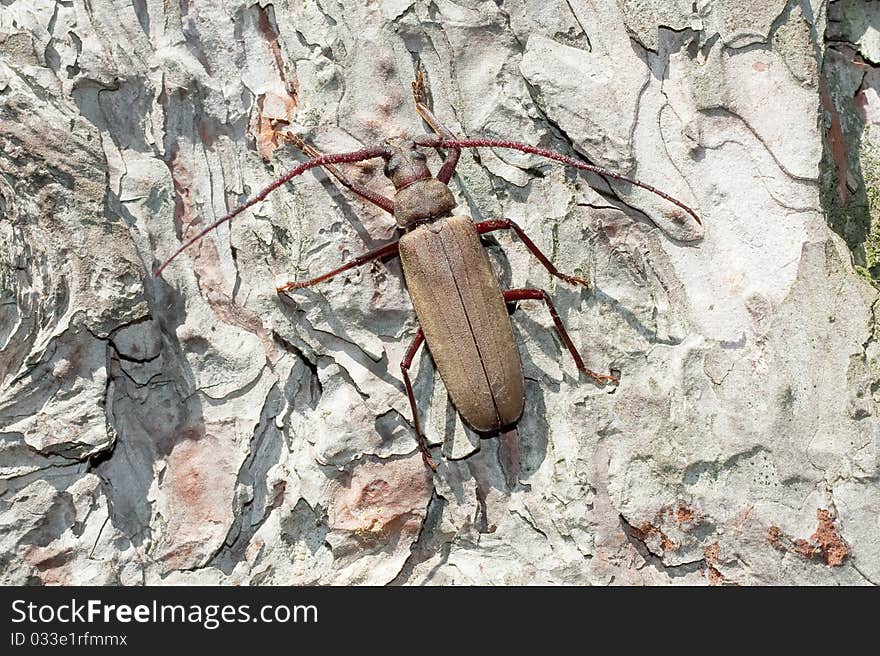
(380, 499)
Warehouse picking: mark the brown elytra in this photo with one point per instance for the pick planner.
(462, 312)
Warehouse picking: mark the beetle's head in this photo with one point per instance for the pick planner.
(420, 196)
(406, 165)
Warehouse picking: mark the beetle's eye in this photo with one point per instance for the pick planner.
(391, 166)
(415, 154)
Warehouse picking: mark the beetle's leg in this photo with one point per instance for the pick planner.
(384, 251)
(404, 369)
(506, 224)
(444, 175)
(377, 199)
(511, 295)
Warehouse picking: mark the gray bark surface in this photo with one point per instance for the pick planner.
(197, 428)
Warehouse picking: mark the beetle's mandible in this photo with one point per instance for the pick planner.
(445, 266)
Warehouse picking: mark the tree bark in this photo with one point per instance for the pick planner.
(198, 428)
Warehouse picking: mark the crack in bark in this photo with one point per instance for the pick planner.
(419, 549)
(725, 112)
(239, 534)
(636, 537)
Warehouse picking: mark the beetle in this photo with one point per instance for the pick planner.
(459, 303)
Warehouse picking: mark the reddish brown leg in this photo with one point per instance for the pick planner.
(444, 175)
(384, 251)
(404, 369)
(511, 295)
(506, 224)
(377, 199)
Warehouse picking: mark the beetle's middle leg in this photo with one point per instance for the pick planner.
(377, 199)
(444, 175)
(404, 369)
(506, 224)
(511, 295)
(385, 251)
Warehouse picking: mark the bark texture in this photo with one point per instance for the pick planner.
(197, 428)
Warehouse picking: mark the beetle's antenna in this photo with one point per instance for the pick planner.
(355, 156)
(433, 142)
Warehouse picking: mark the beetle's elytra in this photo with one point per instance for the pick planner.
(461, 308)
(462, 312)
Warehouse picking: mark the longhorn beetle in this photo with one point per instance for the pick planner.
(461, 308)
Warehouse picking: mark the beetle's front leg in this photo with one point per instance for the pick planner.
(511, 295)
(444, 175)
(385, 251)
(506, 224)
(368, 194)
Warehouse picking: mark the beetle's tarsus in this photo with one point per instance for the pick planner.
(285, 284)
(602, 379)
(418, 87)
(300, 144)
(426, 456)
(295, 139)
(573, 280)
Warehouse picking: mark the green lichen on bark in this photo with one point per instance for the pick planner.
(869, 154)
(850, 167)
(850, 218)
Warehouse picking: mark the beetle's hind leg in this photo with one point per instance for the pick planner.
(404, 369)
(444, 175)
(377, 199)
(512, 295)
